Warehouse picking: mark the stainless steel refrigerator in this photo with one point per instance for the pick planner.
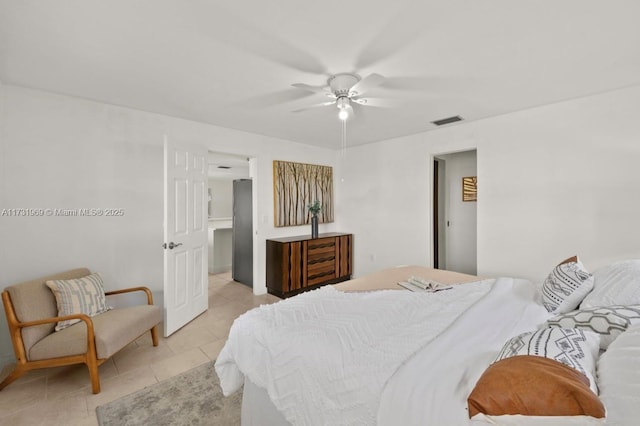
(242, 239)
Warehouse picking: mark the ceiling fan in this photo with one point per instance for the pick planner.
(345, 89)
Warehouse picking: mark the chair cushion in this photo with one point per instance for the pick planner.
(32, 300)
(114, 330)
(78, 296)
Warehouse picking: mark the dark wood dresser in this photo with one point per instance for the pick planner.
(297, 264)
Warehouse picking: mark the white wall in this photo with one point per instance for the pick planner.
(553, 181)
(460, 216)
(63, 152)
(220, 244)
(221, 198)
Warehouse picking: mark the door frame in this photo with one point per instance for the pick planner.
(435, 203)
(253, 175)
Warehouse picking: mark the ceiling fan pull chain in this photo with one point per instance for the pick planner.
(343, 144)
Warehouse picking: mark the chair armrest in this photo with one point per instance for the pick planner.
(83, 317)
(128, 290)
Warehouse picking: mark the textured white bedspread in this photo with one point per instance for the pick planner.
(442, 374)
(292, 348)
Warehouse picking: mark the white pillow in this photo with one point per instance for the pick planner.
(616, 284)
(608, 321)
(566, 286)
(571, 346)
(619, 378)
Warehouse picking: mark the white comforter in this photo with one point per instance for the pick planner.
(443, 374)
(328, 357)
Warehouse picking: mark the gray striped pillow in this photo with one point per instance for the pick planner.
(78, 296)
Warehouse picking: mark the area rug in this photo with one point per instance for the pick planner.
(191, 398)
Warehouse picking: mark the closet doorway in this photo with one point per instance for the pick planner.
(454, 220)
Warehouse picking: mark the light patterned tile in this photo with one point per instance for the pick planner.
(122, 385)
(68, 379)
(233, 291)
(29, 417)
(189, 338)
(18, 395)
(141, 356)
(27, 377)
(231, 310)
(69, 409)
(213, 349)
(179, 363)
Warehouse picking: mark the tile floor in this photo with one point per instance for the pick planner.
(62, 396)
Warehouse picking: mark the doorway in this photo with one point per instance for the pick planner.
(454, 224)
(223, 170)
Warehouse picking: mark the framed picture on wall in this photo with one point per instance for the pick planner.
(295, 187)
(470, 188)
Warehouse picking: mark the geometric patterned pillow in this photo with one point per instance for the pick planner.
(566, 286)
(608, 321)
(573, 347)
(78, 296)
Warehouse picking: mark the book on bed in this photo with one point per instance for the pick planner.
(423, 285)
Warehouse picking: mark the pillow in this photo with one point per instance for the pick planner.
(78, 296)
(566, 286)
(619, 378)
(607, 321)
(571, 346)
(616, 284)
(533, 386)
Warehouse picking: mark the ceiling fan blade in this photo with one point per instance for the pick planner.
(275, 98)
(367, 83)
(225, 26)
(401, 30)
(314, 106)
(435, 84)
(314, 89)
(376, 102)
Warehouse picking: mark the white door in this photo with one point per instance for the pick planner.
(185, 234)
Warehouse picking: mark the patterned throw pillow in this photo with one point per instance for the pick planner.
(78, 296)
(607, 321)
(566, 286)
(571, 346)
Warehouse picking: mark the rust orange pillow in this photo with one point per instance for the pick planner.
(533, 386)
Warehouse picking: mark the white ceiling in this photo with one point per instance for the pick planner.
(232, 63)
(227, 166)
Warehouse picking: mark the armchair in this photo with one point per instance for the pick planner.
(32, 315)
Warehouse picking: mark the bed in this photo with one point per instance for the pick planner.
(369, 352)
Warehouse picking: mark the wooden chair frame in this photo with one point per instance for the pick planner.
(89, 358)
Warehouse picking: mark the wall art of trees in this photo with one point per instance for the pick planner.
(295, 186)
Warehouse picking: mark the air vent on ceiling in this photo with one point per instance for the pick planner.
(447, 120)
(224, 167)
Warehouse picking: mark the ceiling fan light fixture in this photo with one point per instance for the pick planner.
(342, 104)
